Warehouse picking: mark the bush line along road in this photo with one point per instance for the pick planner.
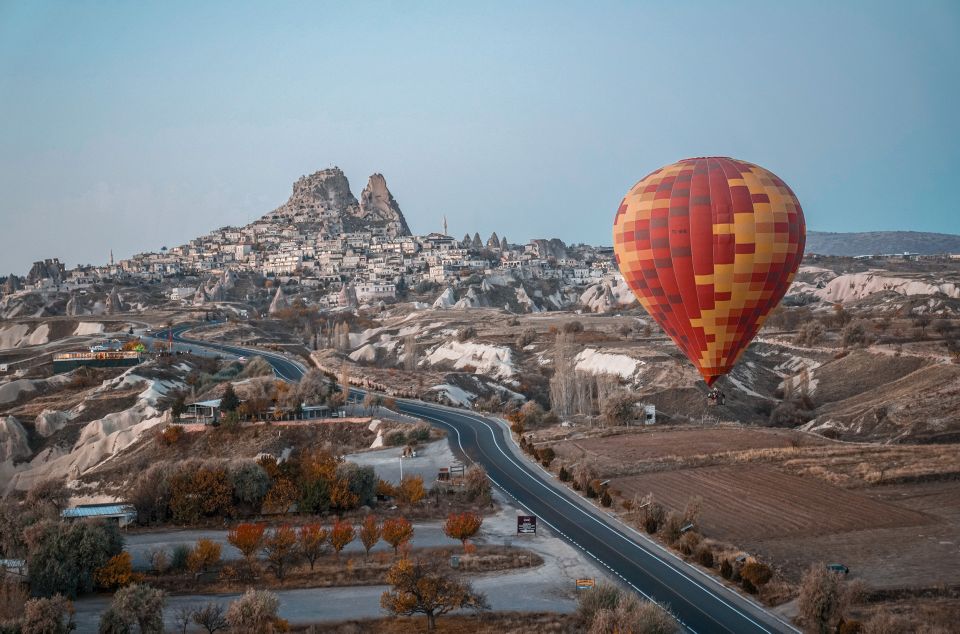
(700, 603)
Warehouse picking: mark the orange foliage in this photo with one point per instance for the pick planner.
(281, 496)
(247, 538)
(397, 531)
(117, 572)
(411, 490)
(462, 526)
(370, 532)
(341, 497)
(341, 534)
(313, 540)
(204, 556)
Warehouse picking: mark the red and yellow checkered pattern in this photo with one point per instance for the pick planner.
(709, 246)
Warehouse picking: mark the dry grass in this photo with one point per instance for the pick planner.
(489, 623)
(348, 571)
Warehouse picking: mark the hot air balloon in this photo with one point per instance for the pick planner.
(709, 246)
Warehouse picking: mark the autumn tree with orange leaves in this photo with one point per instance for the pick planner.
(425, 588)
(462, 526)
(281, 496)
(247, 538)
(370, 531)
(411, 490)
(117, 572)
(397, 531)
(312, 539)
(341, 534)
(280, 549)
(204, 556)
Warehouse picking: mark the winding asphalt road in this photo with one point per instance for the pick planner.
(700, 603)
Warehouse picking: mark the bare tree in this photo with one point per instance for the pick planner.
(210, 617)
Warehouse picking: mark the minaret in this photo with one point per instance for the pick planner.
(111, 257)
(444, 224)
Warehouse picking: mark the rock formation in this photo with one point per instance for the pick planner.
(114, 304)
(377, 205)
(348, 296)
(324, 202)
(279, 302)
(13, 440)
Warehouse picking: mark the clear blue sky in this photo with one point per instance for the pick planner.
(133, 125)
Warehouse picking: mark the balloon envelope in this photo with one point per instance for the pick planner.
(709, 247)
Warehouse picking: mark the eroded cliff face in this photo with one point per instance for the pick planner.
(377, 204)
(324, 199)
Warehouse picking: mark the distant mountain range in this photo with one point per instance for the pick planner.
(881, 243)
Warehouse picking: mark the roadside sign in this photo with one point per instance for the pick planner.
(585, 584)
(526, 524)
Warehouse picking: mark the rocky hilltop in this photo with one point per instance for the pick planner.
(323, 201)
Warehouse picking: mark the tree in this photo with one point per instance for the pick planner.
(281, 497)
(477, 484)
(922, 321)
(314, 496)
(280, 549)
(204, 556)
(13, 596)
(820, 598)
(397, 531)
(423, 588)
(250, 483)
(50, 494)
(633, 614)
(756, 573)
(462, 526)
(229, 402)
(179, 407)
(139, 605)
(255, 611)
(247, 538)
(811, 333)
(150, 494)
(370, 532)
(210, 617)
(63, 558)
(341, 497)
(619, 409)
(200, 491)
(411, 490)
(341, 534)
(53, 615)
(855, 334)
(361, 481)
(312, 539)
(117, 572)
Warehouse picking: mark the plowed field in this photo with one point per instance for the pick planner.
(750, 503)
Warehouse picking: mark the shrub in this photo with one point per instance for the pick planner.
(546, 456)
(619, 409)
(255, 611)
(411, 490)
(63, 558)
(250, 483)
(52, 615)
(758, 573)
(171, 435)
(180, 557)
(747, 585)
(705, 557)
(395, 438)
(564, 475)
(670, 530)
(688, 542)
(117, 572)
(605, 498)
(820, 598)
(811, 333)
(204, 556)
(726, 569)
(466, 333)
(573, 326)
(137, 605)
